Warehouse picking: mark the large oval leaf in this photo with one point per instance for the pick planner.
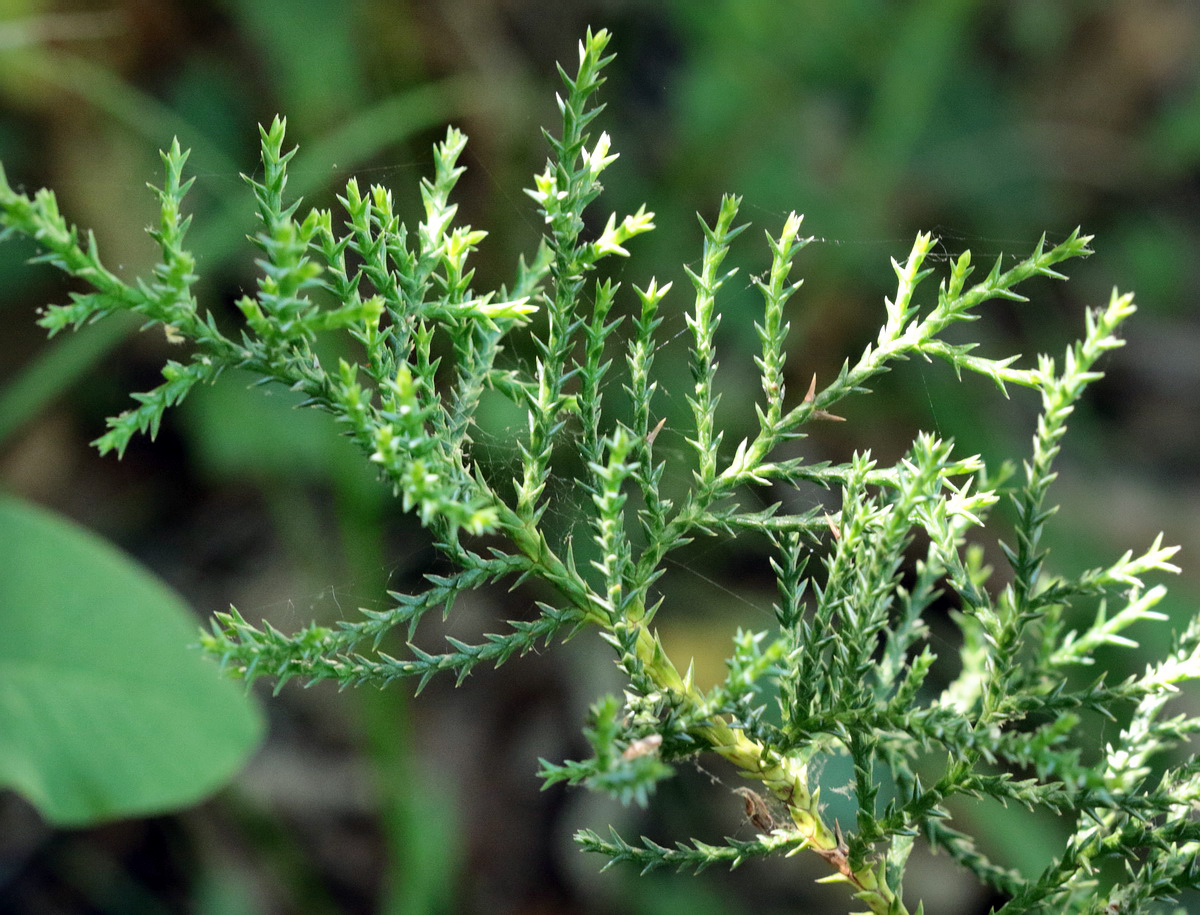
(106, 710)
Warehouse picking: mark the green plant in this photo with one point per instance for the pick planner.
(105, 711)
(845, 670)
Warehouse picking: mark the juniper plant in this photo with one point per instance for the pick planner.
(844, 668)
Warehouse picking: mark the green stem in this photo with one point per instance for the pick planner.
(785, 777)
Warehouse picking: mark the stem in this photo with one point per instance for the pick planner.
(785, 777)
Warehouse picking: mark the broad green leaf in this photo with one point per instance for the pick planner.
(106, 708)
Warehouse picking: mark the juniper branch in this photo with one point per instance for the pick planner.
(848, 663)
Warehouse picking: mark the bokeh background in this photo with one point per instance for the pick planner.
(986, 122)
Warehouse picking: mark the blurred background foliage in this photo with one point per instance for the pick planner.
(987, 122)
